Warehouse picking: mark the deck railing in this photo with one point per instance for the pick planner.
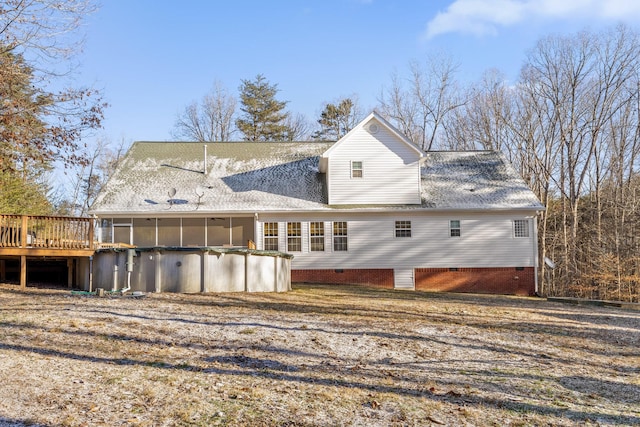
(53, 232)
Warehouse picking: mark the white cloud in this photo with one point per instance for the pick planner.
(485, 17)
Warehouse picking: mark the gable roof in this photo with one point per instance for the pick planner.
(383, 122)
(246, 177)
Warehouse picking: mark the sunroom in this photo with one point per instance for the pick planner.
(220, 231)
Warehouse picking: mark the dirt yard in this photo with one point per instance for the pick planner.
(320, 356)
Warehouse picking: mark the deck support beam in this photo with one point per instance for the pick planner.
(23, 272)
(70, 273)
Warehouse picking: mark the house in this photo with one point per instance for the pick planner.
(370, 209)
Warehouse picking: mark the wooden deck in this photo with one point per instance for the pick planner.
(27, 236)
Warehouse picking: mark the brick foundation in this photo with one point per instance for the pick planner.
(380, 278)
(505, 281)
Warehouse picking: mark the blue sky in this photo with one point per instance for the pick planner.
(152, 57)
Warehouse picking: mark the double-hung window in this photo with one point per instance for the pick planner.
(294, 237)
(454, 228)
(270, 235)
(316, 233)
(521, 228)
(356, 169)
(340, 236)
(403, 228)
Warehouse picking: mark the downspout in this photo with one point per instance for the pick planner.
(91, 273)
(130, 254)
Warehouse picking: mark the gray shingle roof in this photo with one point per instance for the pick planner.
(473, 180)
(283, 176)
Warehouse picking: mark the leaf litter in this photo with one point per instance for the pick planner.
(319, 355)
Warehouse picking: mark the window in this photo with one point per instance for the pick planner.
(339, 236)
(294, 237)
(454, 228)
(356, 169)
(270, 236)
(521, 228)
(316, 230)
(403, 228)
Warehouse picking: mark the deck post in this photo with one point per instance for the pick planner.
(91, 234)
(23, 272)
(3, 271)
(69, 273)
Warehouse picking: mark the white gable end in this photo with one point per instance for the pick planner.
(373, 164)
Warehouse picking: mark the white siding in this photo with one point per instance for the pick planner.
(487, 240)
(391, 172)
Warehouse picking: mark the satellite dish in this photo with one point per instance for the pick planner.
(199, 191)
(172, 192)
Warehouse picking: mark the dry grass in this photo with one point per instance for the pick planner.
(314, 356)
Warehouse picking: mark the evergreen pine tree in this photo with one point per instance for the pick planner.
(336, 120)
(264, 118)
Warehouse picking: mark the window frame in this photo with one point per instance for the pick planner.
(455, 231)
(270, 227)
(403, 228)
(521, 229)
(316, 236)
(294, 236)
(341, 238)
(357, 172)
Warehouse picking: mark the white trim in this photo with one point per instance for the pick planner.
(311, 237)
(400, 208)
(333, 236)
(361, 169)
(526, 228)
(383, 122)
(459, 227)
(396, 229)
(264, 237)
(299, 236)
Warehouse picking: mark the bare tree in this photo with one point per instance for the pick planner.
(482, 122)
(573, 134)
(571, 125)
(211, 119)
(420, 110)
(88, 179)
(41, 27)
(297, 127)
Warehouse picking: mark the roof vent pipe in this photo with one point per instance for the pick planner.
(205, 159)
